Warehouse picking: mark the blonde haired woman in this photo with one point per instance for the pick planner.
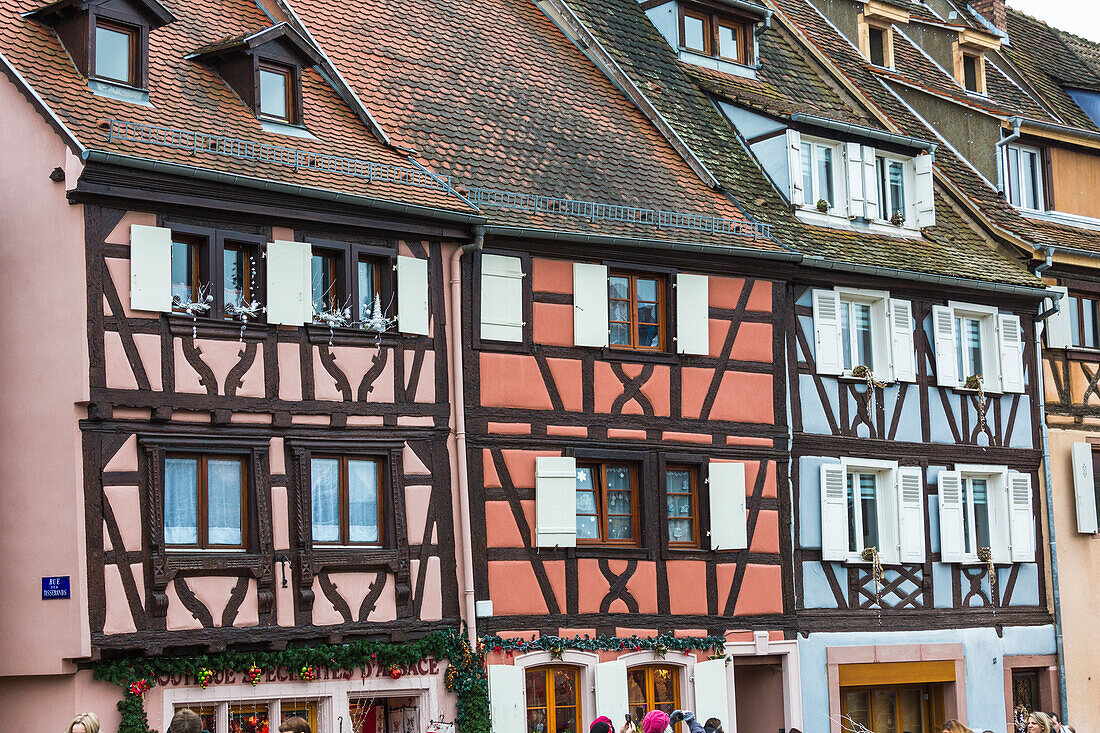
(954, 726)
(84, 723)
(1039, 722)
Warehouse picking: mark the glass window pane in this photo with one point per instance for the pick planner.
(727, 42)
(536, 688)
(883, 189)
(681, 530)
(664, 686)
(647, 312)
(1089, 322)
(586, 502)
(588, 528)
(620, 334)
(910, 711)
(1029, 167)
(808, 174)
(565, 687)
(1014, 176)
(1074, 321)
(235, 277)
(980, 494)
(679, 505)
(619, 310)
(565, 720)
(112, 54)
(825, 174)
(973, 346)
(853, 509)
(968, 504)
(366, 289)
(869, 509)
(183, 273)
(619, 287)
(694, 33)
(324, 291)
(363, 501)
(679, 481)
(181, 501)
(647, 289)
(223, 492)
(649, 336)
(248, 719)
(620, 528)
(846, 335)
(858, 707)
(325, 496)
(897, 188)
(635, 687)
(878, 54)
(864, 351)
(536, 720)
(885, 716)
(970, 73)
(273, 93)
(618, 502)
(618, 478)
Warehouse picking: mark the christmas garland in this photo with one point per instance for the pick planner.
(556, 645)
(465, 673)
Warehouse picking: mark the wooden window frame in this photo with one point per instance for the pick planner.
(337, 266)
(839, 205)
(662, 306)
(292, 90)
(960, 53)
(928, 695)
(134, 33)
(711, 22)
(1042, 184)
(1078, 336)
(599, 469)
(343, 494)
(551, 708)
(200, 262)
(349, 255)
(866, 26)
(693, 492)
(212, 271)
(650, 699)
(203, 499)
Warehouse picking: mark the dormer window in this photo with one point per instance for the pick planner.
(117, 49)
(969, 57)
(876, 39)
(719, 36)
(277, 92)
(973, 73)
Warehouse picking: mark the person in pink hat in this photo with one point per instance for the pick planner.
(602, 724)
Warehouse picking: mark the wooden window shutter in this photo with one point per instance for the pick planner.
(924, 199)
(901, 338)
(612, 698)
(692, 314)
(870, 183)
(501, 298)
(711, 690)
(951, 516)
(1021, 522)
(853, 161)
(827, 332)
(1058, 324)
(412, 295)
(943, 328)
(728, 517)
(910, 501)
(289, 298)
(1012, 352)
(834, 512)
(1000, 519)
(555, 501)
(507, 709)
(794, 167)
(150, 268)
(590, 305)
(1084, 488)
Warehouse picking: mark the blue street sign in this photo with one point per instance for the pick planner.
(55, 587)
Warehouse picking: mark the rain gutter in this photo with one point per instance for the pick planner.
(927, 278)
(1053, 127)
(697, 248)
(862, 131)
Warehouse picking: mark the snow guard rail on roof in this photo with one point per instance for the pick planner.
(200, 142)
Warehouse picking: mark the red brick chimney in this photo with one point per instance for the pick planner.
(991, 10)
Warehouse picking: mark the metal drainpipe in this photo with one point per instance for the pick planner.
(1000, 147)
(459, 432)
(1049, 493)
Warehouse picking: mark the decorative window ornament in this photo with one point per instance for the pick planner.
(194, 308)
(241, 309)
(870, 554)
(975, 381)
(378, 322)
(864, 372)
(985, 554)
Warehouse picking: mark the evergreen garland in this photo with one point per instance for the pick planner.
(556, 644)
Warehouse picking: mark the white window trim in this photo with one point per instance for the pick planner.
(880, 332)
(991, 349)
(997, 498)
(840, 190)
(1039, 187)
(888, 532)
(908, 185)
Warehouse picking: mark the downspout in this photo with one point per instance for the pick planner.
(458, 430)
(1049, 493)
(1000, 146)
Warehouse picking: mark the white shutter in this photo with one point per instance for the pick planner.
(1012, 352)
(943, 328)
(951, 516)
(150, 268)
(834, 512)
(711, 690)
(412, 295)
(1084, 488)
(924, 199)
(910, 502)
(289, 297)
(794, 166)
(1058, 324)
(827, 346)
(1021, 517)
(853, 161)
(870, 183)
(728, 519)
(901, 337)
(507, 710)
(611, 694)
(1000, 518)
(692, 314)
(555, 501)
(501, 298)
(589, 305)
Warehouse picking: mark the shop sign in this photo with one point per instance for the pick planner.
(281, 674)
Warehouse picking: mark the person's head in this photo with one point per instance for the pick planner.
(1055, 724)
(713, 725)
(601, 724)
(84, 723)
(655, 721)
(294, 725)
(1039, 722)
(185, 721)
(954, 726)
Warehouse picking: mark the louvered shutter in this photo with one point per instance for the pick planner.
(412, 295)
(870, 183)
(150, 268)
(1000, 518)
(794, 166)
(555, 501)
(910, 502)
(692, 314)
(611, 693)
(943, 328)
(1084, 488)
(1012, 352)
(901, 338)
(501, 298)
(827, 346)
(288, 283)
(951, 516)
(834, 512)
(1058, 324)
(853, 161)
(924, 199)
(728, 520)
(507, 709)
(711, 690)
(1021, 517)
(590, 305)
